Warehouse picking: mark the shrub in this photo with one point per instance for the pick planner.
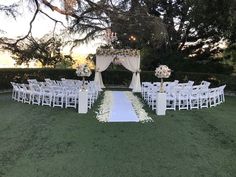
(21, 75)
(177, 62)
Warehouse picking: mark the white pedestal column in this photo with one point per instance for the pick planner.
(161, 104)
(83, 102)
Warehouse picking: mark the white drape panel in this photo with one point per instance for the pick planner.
(133, 65)
(102, 63)
(129, 62)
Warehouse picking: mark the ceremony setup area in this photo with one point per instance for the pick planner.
(117, 125)
(118, 106)
(79, 123)
(117, 88)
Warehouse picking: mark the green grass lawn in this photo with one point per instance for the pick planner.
(38, 141)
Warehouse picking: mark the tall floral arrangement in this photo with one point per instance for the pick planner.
(83, 70)
(162, 71)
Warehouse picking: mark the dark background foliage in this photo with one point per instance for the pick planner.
(110, 77)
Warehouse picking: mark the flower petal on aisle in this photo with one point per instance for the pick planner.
(105, 107)
(138, 107)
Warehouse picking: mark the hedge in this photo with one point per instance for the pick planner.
(111, 77)
(21, 75)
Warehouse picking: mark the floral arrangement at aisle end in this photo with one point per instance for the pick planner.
(83, 70)
(162, 71)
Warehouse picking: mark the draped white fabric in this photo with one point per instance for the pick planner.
(102, 63)
(131, 63)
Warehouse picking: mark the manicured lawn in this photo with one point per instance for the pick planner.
(38, 141)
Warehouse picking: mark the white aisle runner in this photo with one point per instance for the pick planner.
(122, 109)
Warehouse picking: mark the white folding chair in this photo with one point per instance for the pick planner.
(58, 96)
(27, 93)
(36, 93)
(171, 97)
(32, 81)
(71, 97)
(194, 97)
(212, 97)
(205, 84)
(47, 95)
(90, 99)
(14, 91)
(153, 96)
(221, 93)
(145, 89)
(20, 93)
(183, 98)
(144, 86)
(203, 97)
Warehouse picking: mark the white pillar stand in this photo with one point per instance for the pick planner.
(161, 104)
(83, 102)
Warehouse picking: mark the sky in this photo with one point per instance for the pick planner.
(41, 26)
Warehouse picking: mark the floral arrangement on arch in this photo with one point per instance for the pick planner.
(118, 52)
(162, 71)
(83, 70)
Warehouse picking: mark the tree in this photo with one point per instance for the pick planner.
(164, 25)
(66, 62)
(10, 10)
(229, 55)
(46, 50)
(192, 21)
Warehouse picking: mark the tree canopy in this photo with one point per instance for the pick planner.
(46, 50)
(190, 27)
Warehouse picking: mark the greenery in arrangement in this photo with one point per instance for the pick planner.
(52, 142)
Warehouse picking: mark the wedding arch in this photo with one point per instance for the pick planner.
(129, 58)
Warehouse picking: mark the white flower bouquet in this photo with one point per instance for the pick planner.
(83, 70)
(162, 71)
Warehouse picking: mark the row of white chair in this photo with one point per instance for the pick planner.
(55, 95)
(63, 82)
(184, 95)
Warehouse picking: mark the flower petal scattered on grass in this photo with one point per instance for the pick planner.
(105, 107)
(138, 107)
